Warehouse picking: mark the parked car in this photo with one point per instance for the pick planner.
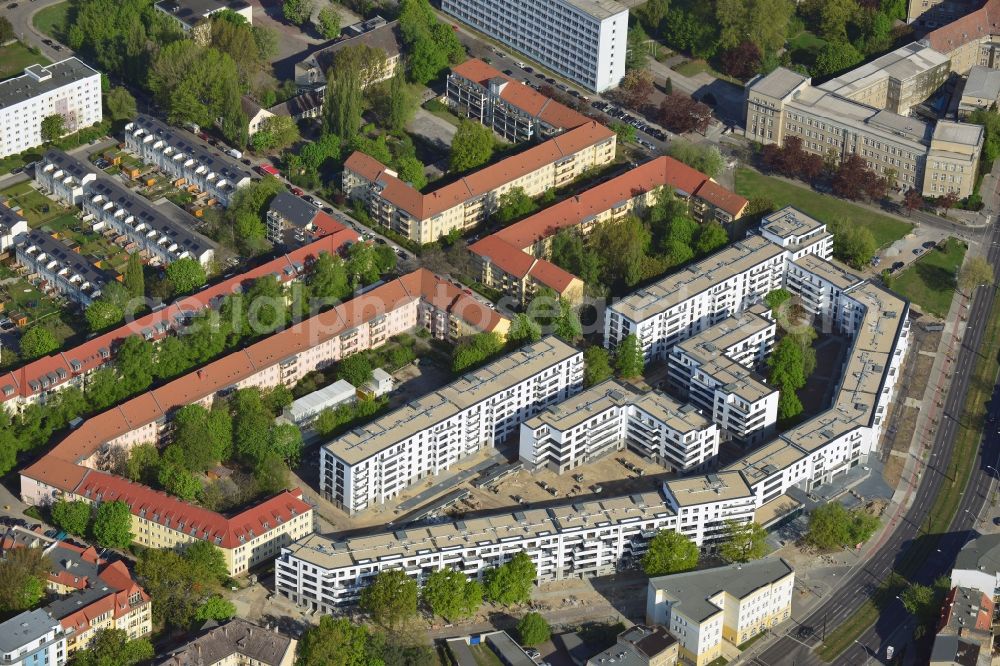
(297, 191)
(508, 72)
(532, 652)
(929, 244)
(896, 266)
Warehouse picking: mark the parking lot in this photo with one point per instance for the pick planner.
(907, 249)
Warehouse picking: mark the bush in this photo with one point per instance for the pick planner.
(533, 629)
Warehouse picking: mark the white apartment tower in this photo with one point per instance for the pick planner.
(68, 88)
(427, 436)
(584, 40)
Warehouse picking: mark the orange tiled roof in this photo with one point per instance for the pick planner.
(974, 26)
(722, 198)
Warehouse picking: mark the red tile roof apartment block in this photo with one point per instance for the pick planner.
(513, 259)
(33, 381)
(466, 202)
(72, 467)
(94, 594)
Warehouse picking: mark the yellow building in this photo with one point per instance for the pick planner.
(732, 603)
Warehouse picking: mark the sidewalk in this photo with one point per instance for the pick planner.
(916, 462)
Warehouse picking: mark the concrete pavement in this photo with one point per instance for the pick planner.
(21, 17)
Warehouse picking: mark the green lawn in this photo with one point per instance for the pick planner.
(930, 281)
(694, 67)
(52, 20)
(35, 207)
(15, 57)
(823, 207)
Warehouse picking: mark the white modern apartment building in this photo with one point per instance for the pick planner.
(377, 461)
(798, 233)
(32, 639)
(583, 40)
(186, 157)
(610, 416)
(59, 266)
(67, 88)
(715, 371)
(732, 603)
(106, 204)
(823, 291)
(582, 539)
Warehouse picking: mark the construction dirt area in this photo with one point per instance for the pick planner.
(903, 414)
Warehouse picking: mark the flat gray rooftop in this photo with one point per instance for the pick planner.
(45, 79)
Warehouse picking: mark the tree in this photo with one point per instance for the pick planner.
(112, 647)
(836, 57)
(186, 275)
(72, 517)
(636, 89)
(37, 341)
(703, 157)
(623, 245)
(630, 361)
(523, 330)
(22, 575)
(53, 127)
(681, 114)
(475, 351)
(275, 133)
(567, 324)
(743, 542)
(120, 104)
(390, 598)
(513, 205)
(135, 364)
(215, 608)
(178, 588)
(532, 629)
(471, 146)
(852, 244)
(6, 30)
(328, 278)
(777, 298)
(449, 594)
(913, 200)
(199, 84)
(113, 525)
(624, 132)
(135, 281)
(296, 12)
(919, 600)
(596, 365)
(669, 552)
(711, 237)
(834, 17)
(329, 22)
(400, 102)
(742, 61)
(430, 44)
(975, 272)
(336, 642)
(208, 560)
(511, 582)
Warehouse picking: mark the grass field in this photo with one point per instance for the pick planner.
(930, 281)
(823, 207)
(35, 207)
(946, 501)
(52, 20)
(15, 57)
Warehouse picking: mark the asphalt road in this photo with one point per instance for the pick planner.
(851, 595)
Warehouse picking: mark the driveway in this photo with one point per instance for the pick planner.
(21, 18)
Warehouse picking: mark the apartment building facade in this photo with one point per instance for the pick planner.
(715, 370)
(64, 177)
(376, 462)
(67, 88)
(799, 234)
(235, 643)
(12, 225)
(187, 158)
(610, 416)
(514, 260)
(423, 218)
(60, 267)
(384, 38)
(732, 603)
(583, 40)
(32, 638)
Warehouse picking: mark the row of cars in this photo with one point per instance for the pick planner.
(638, 123)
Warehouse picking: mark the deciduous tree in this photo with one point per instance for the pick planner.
(186, 275)
(743, 542)
(113, 525)
(37, 341)
(669, 552)
(120, 104)
(296, 12)
(135, 280)
(629, 359)
(513, 205)
(23, 572)
(451, 595)
(471, 146)
(328, 22)
(112, 647)
(681, 114)
(975, 272)
(72, 517)
(53, 127)
(391, 598)
(532, 629)
(596, 365)
(511, 582)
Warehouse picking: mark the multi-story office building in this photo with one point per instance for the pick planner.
(934, 158)
(187, 158)
(582, 539)
(610, 416)
(583, 40)
(377, 461)
(383, 38)
(235, 643)
(423, 218)
(514, 259)
(732, 603)
(12, 225)
(61, 268)
(67, 88)
(32, 639)
(513, 110)
(715, 371)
